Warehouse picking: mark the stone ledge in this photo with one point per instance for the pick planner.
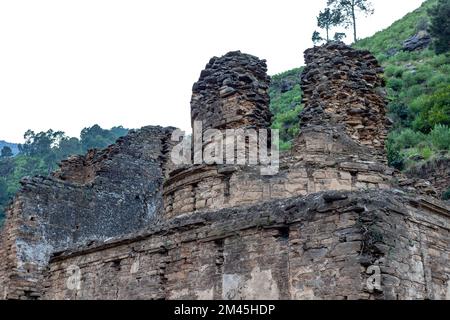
(271, 214)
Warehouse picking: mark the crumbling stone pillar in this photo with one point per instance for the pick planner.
(343, 87)
(232, 93)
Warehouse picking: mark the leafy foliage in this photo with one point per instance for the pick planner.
(316, 37)
(347, 10)
(440, 26)
(327, 19)
(286, 105)
(6, 152)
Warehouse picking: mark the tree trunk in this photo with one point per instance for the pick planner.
(328, 37)
(354, 20)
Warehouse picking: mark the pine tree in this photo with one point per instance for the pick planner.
(349, 8)
(328, 19)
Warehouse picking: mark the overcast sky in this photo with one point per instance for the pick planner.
(67, 65)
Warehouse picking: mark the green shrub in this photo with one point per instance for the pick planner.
(432, 109)
(399, 72)
(414, 91)
(407, 139)
(409, 79)
(395, 84)
(390, 70)
(426, 152)
(393, 154)
(440, 137)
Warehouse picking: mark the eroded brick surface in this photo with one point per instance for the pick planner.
(317, 247)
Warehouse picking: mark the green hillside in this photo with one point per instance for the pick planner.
(418, 87)
(286, 96)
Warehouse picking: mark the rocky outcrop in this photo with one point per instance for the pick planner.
(419, 41)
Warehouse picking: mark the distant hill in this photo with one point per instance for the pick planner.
(14, 147)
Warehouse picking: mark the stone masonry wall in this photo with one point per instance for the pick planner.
(344, 86)
(232, 93)
(125, 223)
(104, 194)
(436, 171)
(317, 247)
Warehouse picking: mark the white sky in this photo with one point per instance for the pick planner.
(67, 65)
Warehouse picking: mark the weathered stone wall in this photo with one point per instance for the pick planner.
(317, 247)
(436, 171)
(125, 223)
(327, 155)
(104, 194)
(344, 86)
(206, 188)
(232, 93)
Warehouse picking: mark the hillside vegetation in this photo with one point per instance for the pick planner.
(418, 88)
(286, 97)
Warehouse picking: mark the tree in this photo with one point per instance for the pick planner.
(68, 146)
(6, 152)
(338, 36)
(328, 19)
(348, 9)
(440, 26)
(96, 137)
(40, 144)
(316, 37)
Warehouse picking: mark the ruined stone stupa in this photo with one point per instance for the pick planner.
(335, 222)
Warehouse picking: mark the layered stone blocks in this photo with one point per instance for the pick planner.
(323, 246)
(335, 222)
(232, 93)
(344, 86)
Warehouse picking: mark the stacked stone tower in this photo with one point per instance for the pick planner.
(232, 93)
(343, 89)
